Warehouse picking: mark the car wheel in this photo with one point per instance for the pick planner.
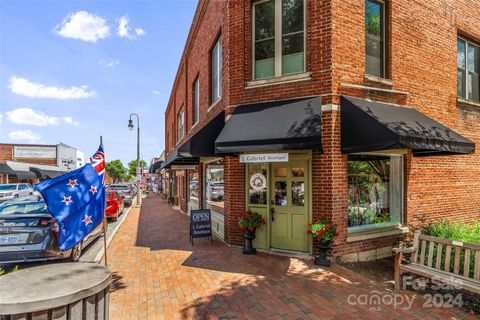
(76, 253)
(115, 218)
(15, 196)
(31, 193)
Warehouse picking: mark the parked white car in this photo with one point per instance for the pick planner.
(14, 191)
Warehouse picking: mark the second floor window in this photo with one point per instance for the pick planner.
(278, 38)
(196, 100)
(375, 38)
(217, 71)
(468, 70)
(180, 124)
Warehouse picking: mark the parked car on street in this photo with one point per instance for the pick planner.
(28, 233)
(15, 191)
(115, 205)
(124, 190)
(216, 191)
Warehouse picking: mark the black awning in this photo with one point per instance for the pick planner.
(24, 175)
(4, 168)
(374, 126)
(202, 143)
(155, 166)
(278, 125)
(175, 159)
(44, 174)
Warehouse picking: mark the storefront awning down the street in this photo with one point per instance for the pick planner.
(277, 125)
(173, 158)
(44, 174)
(374, 126)
(155, 166)
(200, 144)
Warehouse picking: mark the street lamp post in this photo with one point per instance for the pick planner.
(130, 126)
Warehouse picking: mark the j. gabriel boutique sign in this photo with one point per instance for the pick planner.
(200, 224)
(264, 157)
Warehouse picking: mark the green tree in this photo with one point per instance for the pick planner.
(132, 165)
(116, 170)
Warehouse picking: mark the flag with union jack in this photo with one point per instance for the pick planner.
(76, 200)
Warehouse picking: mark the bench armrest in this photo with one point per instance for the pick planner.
(404, 250)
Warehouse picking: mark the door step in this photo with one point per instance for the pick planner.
(288, 253)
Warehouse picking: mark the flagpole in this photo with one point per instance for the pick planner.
(104, 218)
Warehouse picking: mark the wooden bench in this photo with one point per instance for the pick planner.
(452, 262)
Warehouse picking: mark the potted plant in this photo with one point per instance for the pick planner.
(248, 223)
(323, 233)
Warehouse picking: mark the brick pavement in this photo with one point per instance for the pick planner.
(159, 275)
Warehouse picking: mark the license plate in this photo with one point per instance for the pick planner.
(12, 239)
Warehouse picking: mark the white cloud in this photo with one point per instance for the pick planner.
(112, 64)
(125, 31)
(27, 116)
(83, 25)
(24, 135)
(156, 92)
(36, 90)
(140, 32)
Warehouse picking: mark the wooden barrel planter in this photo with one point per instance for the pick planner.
(74, 291)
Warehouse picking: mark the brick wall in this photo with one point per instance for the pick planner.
(234, 178)
(421, 64)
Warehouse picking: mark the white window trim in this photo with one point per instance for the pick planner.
(373, 227)
(467, 43)
(182, 112)
(278, 40)
(217, 48)
(196, 97)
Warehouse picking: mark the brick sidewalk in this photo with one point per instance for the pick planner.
(159, 275)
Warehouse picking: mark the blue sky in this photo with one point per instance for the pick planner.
(71, 71)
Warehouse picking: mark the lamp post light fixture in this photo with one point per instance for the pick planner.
(130, 127)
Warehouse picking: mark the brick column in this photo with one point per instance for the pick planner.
(234, 179)
(330, 181)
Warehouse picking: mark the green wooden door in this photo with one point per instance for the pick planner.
(289, 205)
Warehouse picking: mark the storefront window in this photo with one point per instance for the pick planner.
(298, 172)
(214, 186)
(375, 191)
(280, 172)
(257, 173)
(193, 190)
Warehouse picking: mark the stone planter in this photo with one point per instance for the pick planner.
(322, 260)
(249, 236)
(75, 291)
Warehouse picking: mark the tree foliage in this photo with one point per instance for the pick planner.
(132, 165)
(116, 170)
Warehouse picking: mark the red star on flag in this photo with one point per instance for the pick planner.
(87, 220)
(93, 189)
(72, 183)
(67, 200)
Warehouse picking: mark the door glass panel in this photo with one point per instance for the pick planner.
(298, 172)
(281, 193)
(280, 172)
(298, 193)
(257, 183)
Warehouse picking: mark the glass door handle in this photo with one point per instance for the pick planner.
(272, 213)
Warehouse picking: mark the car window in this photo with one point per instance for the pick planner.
(22, 187)
(7, 187)
(33, 207)
(119, 187)
(117, 195)
(107, 195)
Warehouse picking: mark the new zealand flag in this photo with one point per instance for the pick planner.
(76, 200)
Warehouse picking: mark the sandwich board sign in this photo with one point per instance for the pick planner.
(200, 224)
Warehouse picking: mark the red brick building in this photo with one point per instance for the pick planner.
(365, 112)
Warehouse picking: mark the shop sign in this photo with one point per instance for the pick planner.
(33, 152)
(184, 167)
(264, 157)
(200, 224)
(258, 182)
